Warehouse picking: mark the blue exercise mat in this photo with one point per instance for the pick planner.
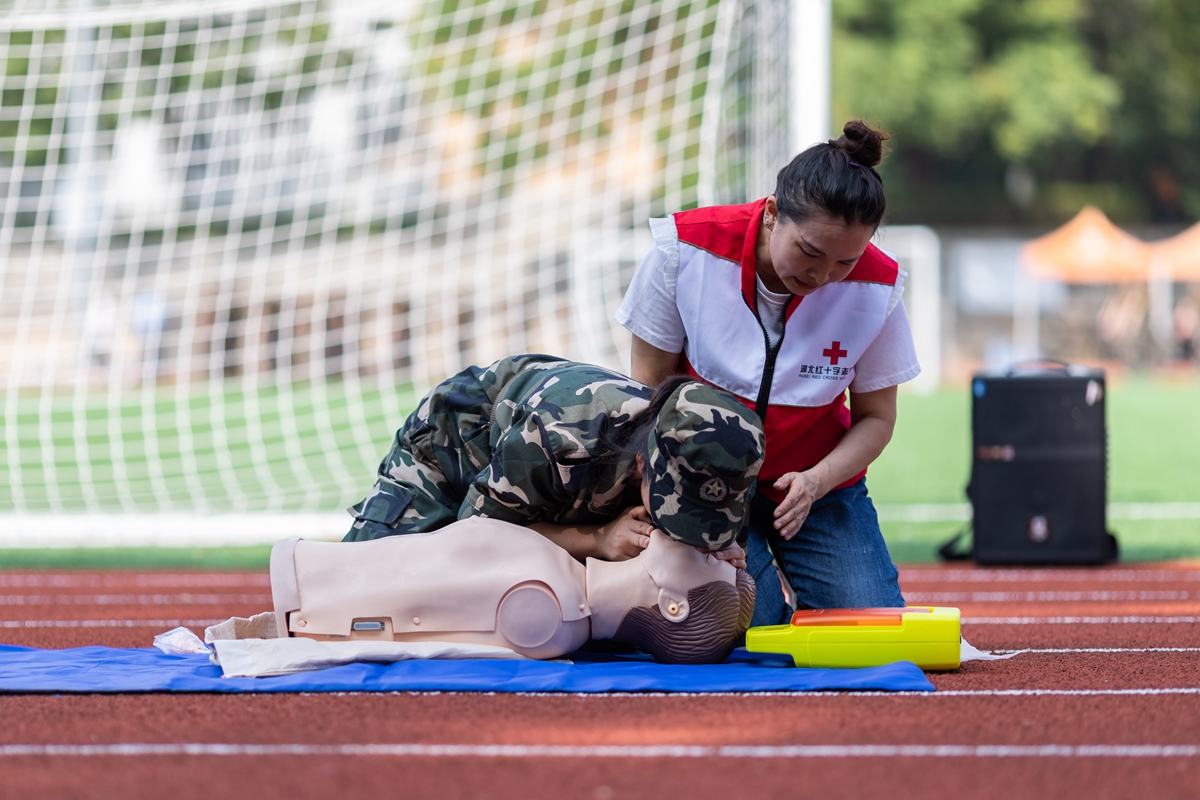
(108, 669)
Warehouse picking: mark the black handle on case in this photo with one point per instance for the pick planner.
(1060, 366)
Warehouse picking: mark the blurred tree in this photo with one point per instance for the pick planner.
(1095, 100)
(1151, 47)
(943, 72)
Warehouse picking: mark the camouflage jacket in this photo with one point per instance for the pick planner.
(545, 430)
(516, 441)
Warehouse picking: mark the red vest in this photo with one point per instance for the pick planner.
(825, 334)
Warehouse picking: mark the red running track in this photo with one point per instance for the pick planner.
(1106, 705)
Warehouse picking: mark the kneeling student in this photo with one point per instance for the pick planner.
(590, 459)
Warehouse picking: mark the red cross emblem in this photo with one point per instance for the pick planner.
(834, 353)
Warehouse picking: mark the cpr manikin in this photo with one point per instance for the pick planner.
(483, 581)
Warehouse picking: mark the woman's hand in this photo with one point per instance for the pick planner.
(626, 536)
(872, 420)
(734, 554)
(803, 489)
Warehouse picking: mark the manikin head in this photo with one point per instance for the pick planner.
(678, 604)
(827, 204)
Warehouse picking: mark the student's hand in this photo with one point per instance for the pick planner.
(802, 489)
(626, 536)
(734, 554)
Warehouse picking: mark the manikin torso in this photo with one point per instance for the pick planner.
(490, 582)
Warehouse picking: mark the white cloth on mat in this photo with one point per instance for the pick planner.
(260, 626)
(180, 642)
(254, 658)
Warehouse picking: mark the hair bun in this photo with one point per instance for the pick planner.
(861, 142)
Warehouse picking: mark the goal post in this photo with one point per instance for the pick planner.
(238, 239)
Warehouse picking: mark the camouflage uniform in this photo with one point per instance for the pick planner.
(517, 441)
(512, 441)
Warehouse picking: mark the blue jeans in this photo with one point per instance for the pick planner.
(837, 559)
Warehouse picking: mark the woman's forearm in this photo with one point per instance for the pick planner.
(650, 364)
(861, 445)
(873, 419)
(578, 540)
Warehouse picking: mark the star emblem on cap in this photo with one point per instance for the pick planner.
(714, 490)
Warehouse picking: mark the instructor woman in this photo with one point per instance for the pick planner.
(785, 303)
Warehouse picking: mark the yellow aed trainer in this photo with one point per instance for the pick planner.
(864, 637)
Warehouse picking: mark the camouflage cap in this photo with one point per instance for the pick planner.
(703, 457)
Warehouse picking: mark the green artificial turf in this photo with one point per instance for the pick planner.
(1154, 446)
(1139, 540)
(137, 558)
(220, 449)
(1154, 456)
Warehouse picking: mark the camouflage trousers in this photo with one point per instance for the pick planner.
(443, 445)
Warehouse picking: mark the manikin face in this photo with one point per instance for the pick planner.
(673, 601)
(804, 256)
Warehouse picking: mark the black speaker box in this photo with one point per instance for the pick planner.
(1039, 474)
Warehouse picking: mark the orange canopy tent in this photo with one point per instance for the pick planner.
(1089, 249)
(1179, 255)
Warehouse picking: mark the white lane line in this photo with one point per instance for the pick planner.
(107, 623)
(1080, 575)
(1103, 650)
(1183, 690)
(961, 512)
(611, 751)
(1187, 690)
(1142, 692)
(133, 599)
(1154, 510)
(1043, 597)
(193, 623)
(173, 530)
(923, 512)
(1131, 620)
(137, 580)
(1178, 690)
(201, 623)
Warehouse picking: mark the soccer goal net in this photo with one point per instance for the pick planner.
(238, 238)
